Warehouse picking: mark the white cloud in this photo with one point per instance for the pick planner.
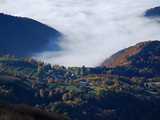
(94, 29)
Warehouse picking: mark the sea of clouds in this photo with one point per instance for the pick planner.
(93, 29)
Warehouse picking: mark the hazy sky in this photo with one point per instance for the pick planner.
(94, 29)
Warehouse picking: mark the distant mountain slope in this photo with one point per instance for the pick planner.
(24, 36)
(145, 54)
(153, 12)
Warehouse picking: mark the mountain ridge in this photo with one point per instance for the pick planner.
(23, 36)
(121, 58)
(153, 12)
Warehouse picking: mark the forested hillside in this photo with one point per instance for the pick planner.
(124, 92)
(25, 37)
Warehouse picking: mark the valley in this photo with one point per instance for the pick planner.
(119, 91)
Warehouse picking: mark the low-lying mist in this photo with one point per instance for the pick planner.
(93, 29)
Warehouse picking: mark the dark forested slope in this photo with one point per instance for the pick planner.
(24, 37)
(127, 87)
